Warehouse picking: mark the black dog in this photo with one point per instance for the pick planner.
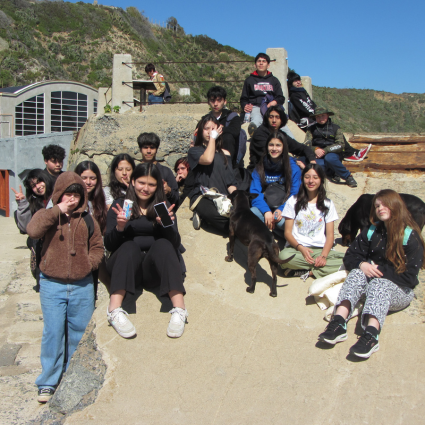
(254, 234)
(357, 217)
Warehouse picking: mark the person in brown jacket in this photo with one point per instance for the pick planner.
(72, 249)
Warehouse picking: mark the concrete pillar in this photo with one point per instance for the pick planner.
(104, 96)
(280, 69)
(307, 85)
(122, 92)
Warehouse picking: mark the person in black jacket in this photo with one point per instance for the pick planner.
(384, 262)
(148, 145)
(301, 104)
(330, 147)
(274, 120)
(229, 121)
(143, 251)
(255, 88)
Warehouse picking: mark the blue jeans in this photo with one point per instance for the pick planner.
(67, 309)
(155, 99)
(333, 165)
(280, 226)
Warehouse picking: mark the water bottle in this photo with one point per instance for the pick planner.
(247, 117)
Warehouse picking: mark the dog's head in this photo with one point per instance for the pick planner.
(241, 198)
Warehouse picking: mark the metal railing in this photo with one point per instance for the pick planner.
(189, 81)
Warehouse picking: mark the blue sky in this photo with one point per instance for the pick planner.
(362, 44)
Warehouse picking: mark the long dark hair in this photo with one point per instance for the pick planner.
(400, 217)
(199, 140)
(142, 170)
(285, 165)
(116, 187)
(302, 197)
(38, 201)
(281, 113)
(97, 197)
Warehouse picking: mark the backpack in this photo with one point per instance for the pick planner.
(38, 243)
(242, 140)
(167, 93)
(407, 233)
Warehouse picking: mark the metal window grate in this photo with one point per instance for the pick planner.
(69, 111)
(95, 106)
(29, 116)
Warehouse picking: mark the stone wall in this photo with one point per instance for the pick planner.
(107, 135)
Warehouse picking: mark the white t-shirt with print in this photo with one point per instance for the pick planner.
(310, 224)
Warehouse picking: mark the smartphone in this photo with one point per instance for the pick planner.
(162, 212)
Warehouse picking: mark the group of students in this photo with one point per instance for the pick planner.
(71, 219)
(79, 232)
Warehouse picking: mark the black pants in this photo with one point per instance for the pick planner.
(129, 267)
(208, 212)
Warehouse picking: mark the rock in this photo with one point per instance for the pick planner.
(172, 159)
(104, 136)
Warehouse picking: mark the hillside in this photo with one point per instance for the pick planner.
(58, 40)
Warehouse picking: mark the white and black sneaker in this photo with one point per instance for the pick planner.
(120, 322)
(367, 344)
(335, 332)
(45, 394)
(178, 320)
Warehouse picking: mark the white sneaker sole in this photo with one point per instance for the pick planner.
(129, 334)
(334, 341)
(368, 354)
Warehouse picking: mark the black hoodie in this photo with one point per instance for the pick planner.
(257, 147)
(303, 105)
(256, 87)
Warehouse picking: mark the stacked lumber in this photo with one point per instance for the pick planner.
(395, 152)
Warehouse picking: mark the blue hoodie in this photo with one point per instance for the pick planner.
(271, 177)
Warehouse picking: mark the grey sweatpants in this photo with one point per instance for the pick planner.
(382, 296)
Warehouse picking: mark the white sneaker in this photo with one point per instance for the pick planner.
(178, 319)
(120, 322)
(196, 220)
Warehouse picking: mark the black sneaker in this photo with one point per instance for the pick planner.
(45, 394)
(335, 179)
(366, 345)
(251, 129)
(350, 181)
(335, 332)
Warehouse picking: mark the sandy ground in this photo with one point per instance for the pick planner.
(244, 358)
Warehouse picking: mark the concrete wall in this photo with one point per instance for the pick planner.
(23, 153)
(122, 92)
(280, 69)
(307, 85)
(8, 101)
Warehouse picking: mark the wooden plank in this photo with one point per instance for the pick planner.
(387, 139)
(380, 160)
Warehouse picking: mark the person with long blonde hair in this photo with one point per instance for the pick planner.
(384, 262)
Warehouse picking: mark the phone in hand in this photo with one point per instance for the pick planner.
(162, 212)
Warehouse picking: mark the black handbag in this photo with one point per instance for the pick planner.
(275, 195)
